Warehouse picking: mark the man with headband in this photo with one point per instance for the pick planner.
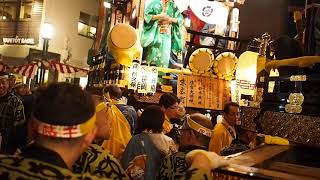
(224, 131)
(195, 134)
(96, 160)
(63, 126)
(174, 111)
(12, 119)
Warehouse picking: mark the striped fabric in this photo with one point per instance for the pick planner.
(28, 70)
(65, 68)
(3, 67)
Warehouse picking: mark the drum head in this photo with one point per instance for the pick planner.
(201, 60)
(123, 36)
(225, 64)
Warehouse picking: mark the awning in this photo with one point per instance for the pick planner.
(28, 70)
(3, 67)
(65, 68)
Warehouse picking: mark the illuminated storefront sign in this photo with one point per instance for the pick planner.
(18, 41)
(20, 22)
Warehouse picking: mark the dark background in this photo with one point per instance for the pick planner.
(272, 16)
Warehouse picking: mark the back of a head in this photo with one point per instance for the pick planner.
(63, 104)
(202, 120)
(205, 122)
(168, 99)
(152, 119)
(11, 76)
(113, 90)
(228, 105)
(97, 99)
(3, 73)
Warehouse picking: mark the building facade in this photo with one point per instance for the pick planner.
(74, 23)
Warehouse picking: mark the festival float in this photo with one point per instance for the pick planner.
(195, 52)
(151, 58)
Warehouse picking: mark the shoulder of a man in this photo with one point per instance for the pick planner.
(99, 162)
(126, 108)
(17, 167)
(178, 158)
(14, 100)
(219, 129)
(173, 166)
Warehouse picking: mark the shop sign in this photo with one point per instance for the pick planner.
(203, 92)
(18, 40)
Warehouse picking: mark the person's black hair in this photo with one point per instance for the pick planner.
(63, 104)
(152, 119)
(11, 76)
(114, 91)
(228, 105)
(168, 99)
(3, 73)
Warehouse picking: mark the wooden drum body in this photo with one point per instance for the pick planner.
(123, 44)
(201, 61)
(225, 65)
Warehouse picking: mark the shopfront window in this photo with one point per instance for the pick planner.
(87, 25)
(26, 10)
(15, 10)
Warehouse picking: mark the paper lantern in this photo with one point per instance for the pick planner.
(246, 75)
(134, 75)
(152, 79)
(143, 79)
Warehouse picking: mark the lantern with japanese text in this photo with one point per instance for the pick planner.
(134, 75)
(143, 79)
(245, 76)
(152, 79)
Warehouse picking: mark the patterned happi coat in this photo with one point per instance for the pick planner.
(18, 167)
(99, 162)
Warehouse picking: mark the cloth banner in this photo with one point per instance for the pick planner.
(120, 131)
(211, 12)
(182, 4)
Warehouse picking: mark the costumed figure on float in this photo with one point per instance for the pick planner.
(162, 31)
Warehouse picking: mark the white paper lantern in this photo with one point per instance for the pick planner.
(143, 79)
(246, 75)
(152, 79)
(134, 75)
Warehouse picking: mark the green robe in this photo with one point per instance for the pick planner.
(160, 45)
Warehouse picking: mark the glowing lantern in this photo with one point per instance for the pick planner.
(143, 79)
(246, 76)
(152, 79)
(134, 75)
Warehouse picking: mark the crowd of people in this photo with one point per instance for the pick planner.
(70, 133)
